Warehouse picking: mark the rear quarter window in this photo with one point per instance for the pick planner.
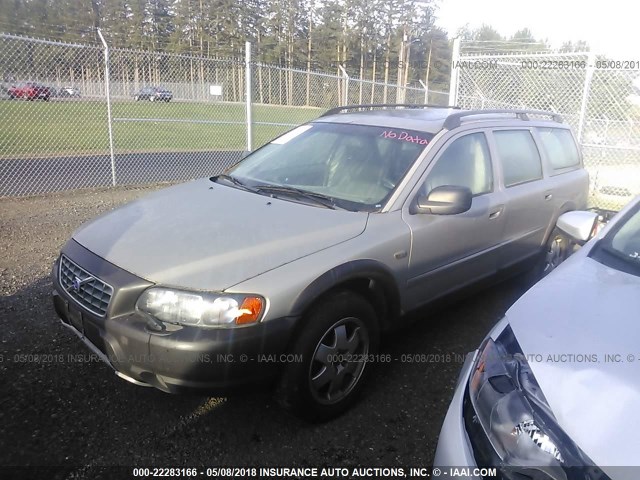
(560, 148)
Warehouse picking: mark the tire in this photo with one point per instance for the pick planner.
(557, 249)
(338, 335)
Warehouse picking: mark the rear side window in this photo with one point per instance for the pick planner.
(559, 147)
(519, 156)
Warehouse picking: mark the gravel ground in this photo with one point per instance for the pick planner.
(65, 410)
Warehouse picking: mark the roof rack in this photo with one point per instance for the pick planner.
(371, 106)
(455, 119)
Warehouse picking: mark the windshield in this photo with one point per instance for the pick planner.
(356, 166)
(621, 247)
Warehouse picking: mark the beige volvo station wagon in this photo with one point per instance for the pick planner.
(314, 244)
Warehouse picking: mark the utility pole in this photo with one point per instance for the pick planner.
(426, 76)
(401, 66)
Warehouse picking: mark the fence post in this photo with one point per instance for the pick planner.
(453, 85)
(247, 70)
(591, 61)
(426, 91)
(108, 94)
(345, 100)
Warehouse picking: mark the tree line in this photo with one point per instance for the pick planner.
(372, 39)
(384, 40)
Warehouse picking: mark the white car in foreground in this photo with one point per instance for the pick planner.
(553, 392)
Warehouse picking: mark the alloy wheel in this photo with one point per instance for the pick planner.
(339, 360)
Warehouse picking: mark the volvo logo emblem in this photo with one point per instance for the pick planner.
(78, 282)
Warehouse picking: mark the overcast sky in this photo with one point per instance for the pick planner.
(610, 27)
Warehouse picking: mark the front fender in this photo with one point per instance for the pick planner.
(365, 269)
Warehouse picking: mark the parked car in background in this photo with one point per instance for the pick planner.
(554, 390)
(154, 94)
(301, 254)
(30, 91)
(69, 92)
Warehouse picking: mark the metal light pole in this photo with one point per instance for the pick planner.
(108, 95)
(249, 110)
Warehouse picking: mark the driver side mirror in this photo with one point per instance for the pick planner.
(444, 200)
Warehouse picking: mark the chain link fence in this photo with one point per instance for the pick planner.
(77, 116)
(367, 91)
(51, 136)
(598, 97)
(306, 95)
(174, 117)
(70, 122)
(164, 117)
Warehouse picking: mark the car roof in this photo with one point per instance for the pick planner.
(425, 120)
(432, 119)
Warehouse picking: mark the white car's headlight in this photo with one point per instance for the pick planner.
(201, 309)
(510, 423)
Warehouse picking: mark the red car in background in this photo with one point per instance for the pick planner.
(30, 91)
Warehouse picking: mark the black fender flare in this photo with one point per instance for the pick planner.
(374, 271)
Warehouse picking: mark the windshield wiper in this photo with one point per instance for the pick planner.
(234, 180)
(318, 198)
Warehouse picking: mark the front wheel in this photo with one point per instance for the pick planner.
(338, 339)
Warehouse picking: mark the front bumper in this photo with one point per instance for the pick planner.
(178, 358)
(454, 448)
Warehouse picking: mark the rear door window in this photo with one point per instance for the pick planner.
(560, 148)
(519, 156)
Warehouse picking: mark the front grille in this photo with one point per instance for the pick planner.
(89, 291)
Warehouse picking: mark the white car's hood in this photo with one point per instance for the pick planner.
(580, 330)
(210, 237)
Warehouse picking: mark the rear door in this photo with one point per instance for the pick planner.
(566, 176)
(451, 251)
(529, 204)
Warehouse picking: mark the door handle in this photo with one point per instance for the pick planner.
(548, 196)
(495, 214)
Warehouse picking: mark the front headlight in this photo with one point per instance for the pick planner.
(510, 423)
(201, 309)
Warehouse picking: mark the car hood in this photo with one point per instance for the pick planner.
(580, 331)
(209, 236)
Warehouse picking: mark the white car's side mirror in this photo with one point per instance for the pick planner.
(579, 225)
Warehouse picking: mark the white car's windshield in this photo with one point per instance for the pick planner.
(355, 166)
(621, 246)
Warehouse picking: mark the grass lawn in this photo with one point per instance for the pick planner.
(37, 129)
